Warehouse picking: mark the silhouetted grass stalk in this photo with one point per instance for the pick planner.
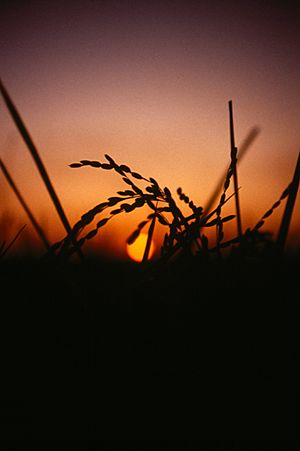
(3, 249)
(37, 159)
(241, 153)
(234, 170)
(149, 240)
(33, 221)
(290, 203)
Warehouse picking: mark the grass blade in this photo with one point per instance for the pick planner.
(290, 203)
(35, 224)
(3, 252)
(234, 164)
(149, 240)
(36, 157)
(241, 153)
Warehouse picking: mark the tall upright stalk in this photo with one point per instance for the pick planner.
(241, 153)
(234, 170)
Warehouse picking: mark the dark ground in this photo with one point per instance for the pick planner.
(106, 351)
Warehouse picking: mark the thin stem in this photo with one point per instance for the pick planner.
(290, 203)
(35, 224)
(12, 242)
(234, 170)
(241, 153)
(36, 157)
(149, 240)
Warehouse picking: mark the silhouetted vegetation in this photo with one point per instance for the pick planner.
(200, 344)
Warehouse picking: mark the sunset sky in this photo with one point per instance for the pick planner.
(149, 83)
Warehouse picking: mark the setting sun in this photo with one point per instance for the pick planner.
(137, 249)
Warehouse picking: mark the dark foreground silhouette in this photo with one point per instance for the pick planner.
(102, 350)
